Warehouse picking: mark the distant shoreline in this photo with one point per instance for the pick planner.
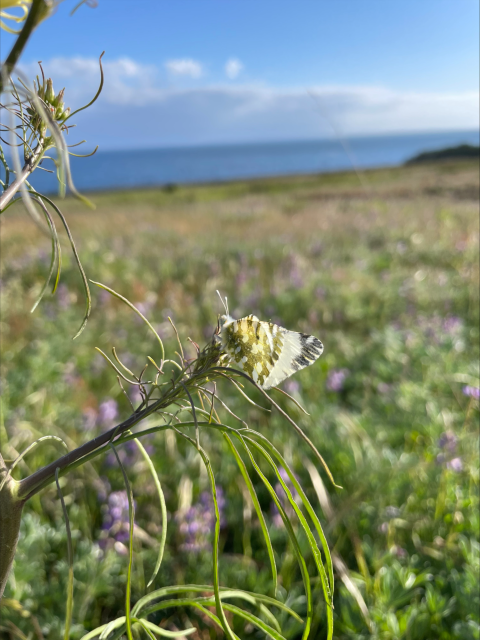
(262, 184)
(220, 164)
(460, 152)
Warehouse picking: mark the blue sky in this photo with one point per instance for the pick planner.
(211, 71)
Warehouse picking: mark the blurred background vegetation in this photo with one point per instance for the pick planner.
(385, 273)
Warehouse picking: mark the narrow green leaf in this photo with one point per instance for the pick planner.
(27, 450)
(216, 585)
(268, 445)
(225, 592)
(256, 504)
(69, 607)
(131, 517)
(77, 259)
(111, 626)
(291, 535)
(56, 258)
(164, 632)
(310, 537)
(163, 508)
(128, 303)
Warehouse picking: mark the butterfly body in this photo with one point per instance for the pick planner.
(265, 351)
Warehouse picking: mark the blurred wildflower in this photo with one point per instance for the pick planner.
(471, 392)
(198, 522)
(134, 394)
(295, 275)
(98, 364)
(63, 296)
(448, 441)
(336, 378)
(292, 386)
(128, 453)
(383, 388)
(455, 464)
(276, 517)
(107, 413)
(146, 306)
(452, 325)
(90, 417)
(115, 524)
(392, 512)
(383, 528)
(70, 376)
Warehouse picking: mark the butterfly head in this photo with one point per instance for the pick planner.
(225, 320)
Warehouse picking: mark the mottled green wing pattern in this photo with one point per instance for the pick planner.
(266, 352)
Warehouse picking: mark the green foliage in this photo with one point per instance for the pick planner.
(389, 282)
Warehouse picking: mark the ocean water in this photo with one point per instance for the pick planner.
(182, 165)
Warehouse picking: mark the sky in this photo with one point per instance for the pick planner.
(225, 71)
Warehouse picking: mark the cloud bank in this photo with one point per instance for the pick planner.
(140, 106)
(233, 67)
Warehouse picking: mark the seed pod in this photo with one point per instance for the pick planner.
(49, 94)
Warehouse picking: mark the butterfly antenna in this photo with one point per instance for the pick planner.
(225, 303)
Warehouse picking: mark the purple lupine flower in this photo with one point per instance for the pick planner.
(291, 386)
(295, 276)
(197, 524)
(107, 413)
(448, 441)
(471, 392)
(145, 307)
(284, 501)
(452, 325)
(134, 394)
(455, 464)
(336, 378)
(116, 523)
(63, 296)
(392, 512)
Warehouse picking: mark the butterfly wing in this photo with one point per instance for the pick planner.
(299, 350)
(266, 352)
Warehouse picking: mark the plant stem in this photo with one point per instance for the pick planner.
(29, 166)
(38, 11)
(10, 515)
(31, 485)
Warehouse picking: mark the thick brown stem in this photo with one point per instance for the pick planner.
(10, 515)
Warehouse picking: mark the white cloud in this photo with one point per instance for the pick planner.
(184, 67)
(137, 109)
(233, 67)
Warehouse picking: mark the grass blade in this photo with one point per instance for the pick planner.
(225, 592)
(147, 625)
(256, 504)
(129, 304)
(268, 445)
(291, 534)
(77, 259)
(311, 539)
(69, 607)
(163, 508)
(131, 517)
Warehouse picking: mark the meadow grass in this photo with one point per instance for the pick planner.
(385, 272)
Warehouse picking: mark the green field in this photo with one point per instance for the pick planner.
(383, 268)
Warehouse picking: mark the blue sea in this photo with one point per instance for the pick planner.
(182, 165)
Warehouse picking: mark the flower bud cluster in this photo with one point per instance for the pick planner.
(54, 104)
